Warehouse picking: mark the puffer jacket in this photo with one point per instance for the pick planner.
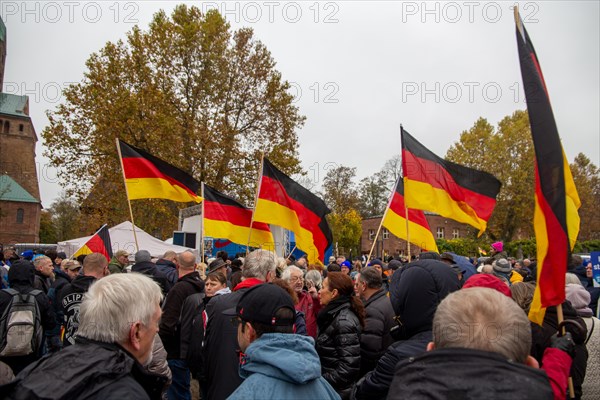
(282, 366)
(376, 338)
(338, 346)
(95, 371)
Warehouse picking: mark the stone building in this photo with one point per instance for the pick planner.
(388, 244)
(20, 204)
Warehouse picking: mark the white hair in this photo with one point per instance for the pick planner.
(315, 277)
(114, 303)
(259, 263)
(287, 273)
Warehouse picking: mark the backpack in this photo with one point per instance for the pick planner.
(191, 332)
(21, 327)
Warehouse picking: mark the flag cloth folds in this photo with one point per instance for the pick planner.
(418, 228)
(555, 218)
(149, 177)
(227, 219)
(98, 243)
(454, 191)
(283, 202)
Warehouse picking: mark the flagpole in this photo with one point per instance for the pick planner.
(202, 222)
(289, 255)
(260, 172)
(81, 247)
(127, 194)
(381, 222)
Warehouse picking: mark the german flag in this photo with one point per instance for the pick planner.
(454, 191)
(555, 218)
(149, 177)
(226, 218)
(418, 228)
(283, 202)
(98, 243)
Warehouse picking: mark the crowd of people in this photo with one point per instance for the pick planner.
(259, 326)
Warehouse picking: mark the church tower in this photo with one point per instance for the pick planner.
(20, 204)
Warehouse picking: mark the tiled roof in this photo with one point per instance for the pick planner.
(12, 191)
(13, 105)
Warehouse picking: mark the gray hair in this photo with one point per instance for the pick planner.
(287, 273)
(258, 264)
(483, 319)
(371, 277)
(114, 303)
(38, 260)
(315, 277)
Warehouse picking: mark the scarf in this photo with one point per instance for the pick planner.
(325, 317)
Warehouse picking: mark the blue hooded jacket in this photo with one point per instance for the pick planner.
(282, 366)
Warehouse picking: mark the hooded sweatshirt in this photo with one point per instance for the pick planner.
(70, 298)
(282, 366)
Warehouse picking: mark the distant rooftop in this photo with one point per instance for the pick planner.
(12, 104)
(12, 191)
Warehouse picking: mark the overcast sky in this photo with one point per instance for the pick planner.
(359, 68)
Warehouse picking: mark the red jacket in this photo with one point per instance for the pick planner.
(310, 307)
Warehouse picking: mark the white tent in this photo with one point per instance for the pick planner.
(121, 238)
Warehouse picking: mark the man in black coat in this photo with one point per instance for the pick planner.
(375, 338)
(221, 348)
(189, 283)
(95, 266)
(107, 362)
(21, 278)
(421, 287)
(144, 265)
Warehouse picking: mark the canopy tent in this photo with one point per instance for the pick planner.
(121, 238)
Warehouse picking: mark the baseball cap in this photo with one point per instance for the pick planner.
(261, 303)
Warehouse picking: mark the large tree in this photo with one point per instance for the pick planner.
(373, 193)
(64, 213)
(507, 153)
(188, 90)
(339, 189)
(587, 180)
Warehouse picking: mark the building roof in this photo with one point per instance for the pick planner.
(14, 105)
(2, 31)
(12, 191)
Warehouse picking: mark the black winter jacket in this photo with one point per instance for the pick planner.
(467, 374)
(88, 370)
(338, 345)
(170, 324)
(376, 338)
(69, 299)
(221, 348)
(376, 384)
(148, 268)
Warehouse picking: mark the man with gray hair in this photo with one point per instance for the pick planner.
(113, 345)
(480, 349)
(221, 344)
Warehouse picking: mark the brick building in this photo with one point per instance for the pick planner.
(388, 244)
(20, 204)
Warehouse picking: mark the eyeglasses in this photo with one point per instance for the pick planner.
(295, 279)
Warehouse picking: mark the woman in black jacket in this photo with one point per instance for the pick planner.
(339, 325)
